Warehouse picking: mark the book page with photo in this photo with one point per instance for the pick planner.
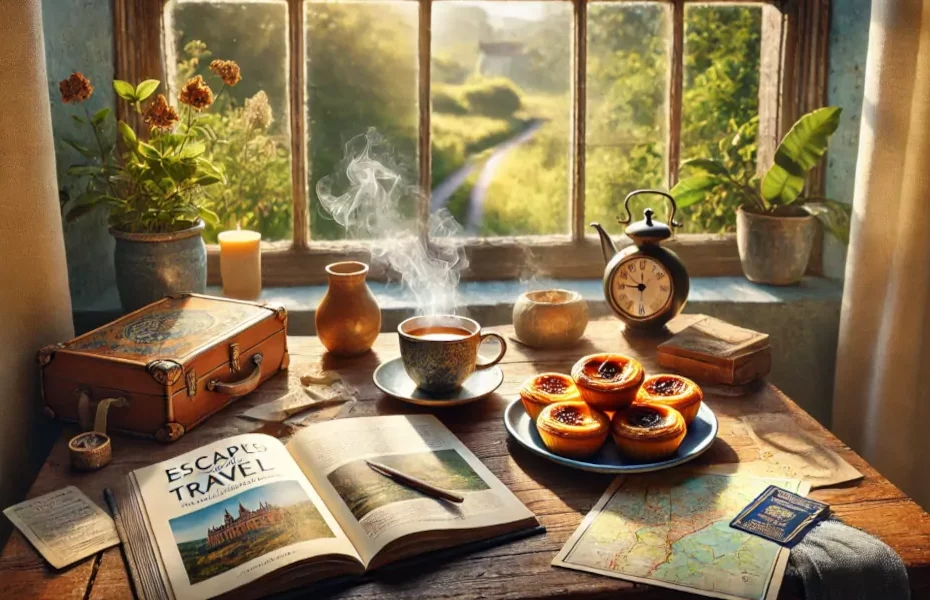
(376, 511)
(229, 513)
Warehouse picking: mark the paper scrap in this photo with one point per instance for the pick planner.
(796, 451)
(65, 526)
(318, 390)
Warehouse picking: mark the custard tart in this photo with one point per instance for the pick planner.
(675, 391)
(545, 389)
(572, 429)
(608, 381)
(648, 431)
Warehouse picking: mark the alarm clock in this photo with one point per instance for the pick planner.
(645, 284)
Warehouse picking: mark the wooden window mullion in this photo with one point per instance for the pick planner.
(579, 117)
(675, 91)
(424, 79)
(299, 166)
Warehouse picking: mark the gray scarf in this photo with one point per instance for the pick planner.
(838, 562)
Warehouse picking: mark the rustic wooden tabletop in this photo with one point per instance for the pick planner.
(559, 496)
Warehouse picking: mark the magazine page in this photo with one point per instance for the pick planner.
(373, 509)
(232, 511)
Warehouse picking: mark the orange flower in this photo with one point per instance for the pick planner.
(196, 94)
(160, 114)
(76, 88)
(227, 70)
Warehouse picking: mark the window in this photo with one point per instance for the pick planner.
(524, 119)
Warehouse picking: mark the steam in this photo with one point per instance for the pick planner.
(369, 197)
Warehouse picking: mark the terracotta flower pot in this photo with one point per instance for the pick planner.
(150, 266)
(348, 318)
(774, 249)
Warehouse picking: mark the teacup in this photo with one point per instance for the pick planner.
(440, 352)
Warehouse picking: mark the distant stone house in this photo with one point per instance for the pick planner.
(248, 520)
(499, 59)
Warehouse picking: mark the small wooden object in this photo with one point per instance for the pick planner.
(715, 351)
(90, 451)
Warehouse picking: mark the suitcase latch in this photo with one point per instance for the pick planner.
(191, 380)
(234, 354)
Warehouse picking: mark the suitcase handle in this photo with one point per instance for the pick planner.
(242, 387)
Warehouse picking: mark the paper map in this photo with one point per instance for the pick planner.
(672, 529)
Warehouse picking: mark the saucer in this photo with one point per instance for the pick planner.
(392, 379)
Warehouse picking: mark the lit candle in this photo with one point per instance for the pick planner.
(241, 264)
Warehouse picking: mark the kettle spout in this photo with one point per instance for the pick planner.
(607, 245)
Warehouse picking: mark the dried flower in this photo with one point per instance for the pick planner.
(160, 114)
(196, 93)
(257, 112)
(76, 88)
(227, 70)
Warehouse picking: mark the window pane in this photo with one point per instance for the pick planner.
(256, 153)
(501, 81)
(627, 90)
(721, 102)
(361, 73)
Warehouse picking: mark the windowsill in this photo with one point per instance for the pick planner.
(492, 301)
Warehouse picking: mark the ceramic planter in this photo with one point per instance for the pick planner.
(150, 266)
(348, 318)
(774, 249)
(550, 318)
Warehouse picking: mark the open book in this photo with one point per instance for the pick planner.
(248, 516)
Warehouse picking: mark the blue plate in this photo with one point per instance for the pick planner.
(701, 434)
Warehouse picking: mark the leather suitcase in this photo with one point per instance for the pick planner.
(176, 362)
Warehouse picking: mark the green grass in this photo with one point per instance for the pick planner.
(364, 490)
(303, 523)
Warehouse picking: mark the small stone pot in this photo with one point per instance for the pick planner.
(150, 266)
(348, 318)
(774, 249)
(550, 318)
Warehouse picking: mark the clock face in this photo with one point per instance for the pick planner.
(641, 287)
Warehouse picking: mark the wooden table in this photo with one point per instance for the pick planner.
(560, 497)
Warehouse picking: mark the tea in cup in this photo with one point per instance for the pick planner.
(440, 352)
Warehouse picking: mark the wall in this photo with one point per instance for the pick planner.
(849, 42)
(79, 37)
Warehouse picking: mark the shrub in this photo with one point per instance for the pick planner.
(446, 101)
(498, 98)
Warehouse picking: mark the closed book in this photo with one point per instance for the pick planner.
(713, 350)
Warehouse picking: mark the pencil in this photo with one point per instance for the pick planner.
(414, 483)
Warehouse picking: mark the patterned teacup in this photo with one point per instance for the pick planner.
(441, 351)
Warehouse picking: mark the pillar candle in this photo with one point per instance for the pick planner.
(241, 264)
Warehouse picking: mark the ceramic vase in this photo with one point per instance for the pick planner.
(774, 249)
(348, 318)
(150, 266)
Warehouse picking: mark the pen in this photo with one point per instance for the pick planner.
(414, 483)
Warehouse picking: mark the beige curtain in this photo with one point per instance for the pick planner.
(881, 406)
(35, 307)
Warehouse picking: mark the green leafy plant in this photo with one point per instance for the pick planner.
(781, 190)
(152, 185)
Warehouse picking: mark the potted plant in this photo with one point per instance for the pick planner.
(775, 220)
(154, 185)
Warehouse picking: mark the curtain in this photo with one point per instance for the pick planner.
(881, 405)
(35, 306)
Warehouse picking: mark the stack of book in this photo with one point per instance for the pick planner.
(714, 351)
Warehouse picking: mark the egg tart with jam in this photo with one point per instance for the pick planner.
(544, 389)
(675, 391)
(608, 381)
(572, 429)
(648, 431)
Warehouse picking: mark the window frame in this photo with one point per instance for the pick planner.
(793, 72)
